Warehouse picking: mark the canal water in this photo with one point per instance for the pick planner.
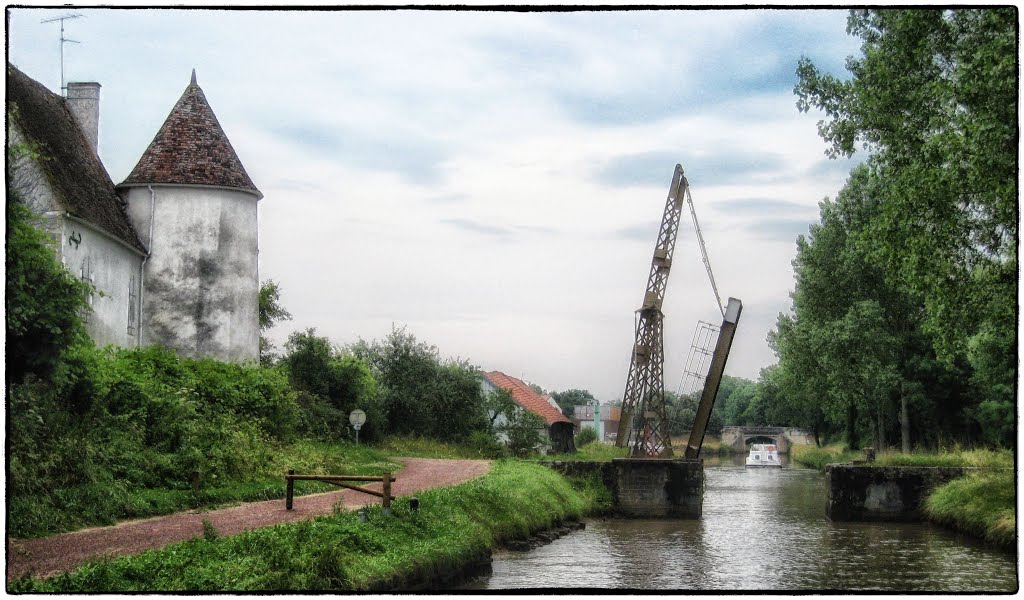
(762, 529)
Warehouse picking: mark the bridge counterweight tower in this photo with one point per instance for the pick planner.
(643, 425)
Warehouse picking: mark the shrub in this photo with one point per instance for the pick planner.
(336, 384)
(44, 300)
(586, 436)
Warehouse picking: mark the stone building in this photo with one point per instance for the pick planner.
(172, 250)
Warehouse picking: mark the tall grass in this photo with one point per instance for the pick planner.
(106, 502)
(816, 458)
(982, 504)
(340, 553)
(421, 447)
(594, 451)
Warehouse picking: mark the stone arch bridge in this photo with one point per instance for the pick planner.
(740, 438)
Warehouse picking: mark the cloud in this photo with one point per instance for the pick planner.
(495, 231)
(760, 205)
(779, 230)
(448, 199)
(719, 168)
(416, 160)
(641, 232)
(499, 232)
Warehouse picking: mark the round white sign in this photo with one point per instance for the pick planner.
(357, 418)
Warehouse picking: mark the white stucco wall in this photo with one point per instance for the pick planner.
(201, 290)
(116, 273)
(113, 267)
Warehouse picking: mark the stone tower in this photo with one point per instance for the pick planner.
(195, 208)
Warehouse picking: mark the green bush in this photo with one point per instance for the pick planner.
(334, 384)
(586, 436)
(111, 422)
(44, 301)
(421, 394)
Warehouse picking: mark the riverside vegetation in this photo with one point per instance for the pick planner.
(408, 549)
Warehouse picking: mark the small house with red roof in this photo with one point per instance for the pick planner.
(172, 250)
(558, 431)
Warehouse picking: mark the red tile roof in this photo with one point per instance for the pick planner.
(527, 398)
(191, 148)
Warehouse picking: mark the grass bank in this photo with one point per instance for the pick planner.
(340, 553)
(816, 458)
(74, 507)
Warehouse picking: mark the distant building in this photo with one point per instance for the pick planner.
(171, 250)
(608, 420)
(558, 432)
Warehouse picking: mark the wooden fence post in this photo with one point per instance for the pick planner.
(291, 490)
(387, 490)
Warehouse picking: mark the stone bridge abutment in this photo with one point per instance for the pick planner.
(739, 438)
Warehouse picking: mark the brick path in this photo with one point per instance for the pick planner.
(43, 557)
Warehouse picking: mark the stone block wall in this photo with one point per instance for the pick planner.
(870, 493)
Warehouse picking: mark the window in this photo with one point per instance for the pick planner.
(132, 305)
(87, 278)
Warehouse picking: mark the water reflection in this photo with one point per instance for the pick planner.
(763, 529)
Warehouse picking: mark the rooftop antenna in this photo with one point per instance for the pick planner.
(63, 39)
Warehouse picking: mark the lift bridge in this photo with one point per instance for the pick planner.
(644, 426)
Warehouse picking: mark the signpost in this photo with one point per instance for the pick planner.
(357, 418)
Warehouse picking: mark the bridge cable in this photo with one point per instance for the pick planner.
(704, 253)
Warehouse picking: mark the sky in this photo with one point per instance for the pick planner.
(491, 181)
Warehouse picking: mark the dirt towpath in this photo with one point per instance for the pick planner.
(46, 556)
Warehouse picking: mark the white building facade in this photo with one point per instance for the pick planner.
(172, 251)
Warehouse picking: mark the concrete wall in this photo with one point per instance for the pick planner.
(867, 493)
(201, 293)
(659, 487)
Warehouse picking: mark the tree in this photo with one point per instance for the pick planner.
(586, 436)
(271, 312)
(569, 399)
(334, 384)
(421, 393)
(44, 301)
(498, 402)
(933, 99)
(524, 431)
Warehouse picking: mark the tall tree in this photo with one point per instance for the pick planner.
(569, 399)
(271, 312)
(933, 100)
(422, 393)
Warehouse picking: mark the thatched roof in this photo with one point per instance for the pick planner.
(73, 169)
(191, 148)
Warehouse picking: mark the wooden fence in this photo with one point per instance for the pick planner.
(342, 481)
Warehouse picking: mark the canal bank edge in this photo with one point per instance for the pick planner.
(645, 488)
(448, 539)
(980, 503)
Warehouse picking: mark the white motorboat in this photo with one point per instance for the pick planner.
(763, 455)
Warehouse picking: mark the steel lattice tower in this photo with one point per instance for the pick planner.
(644, 423)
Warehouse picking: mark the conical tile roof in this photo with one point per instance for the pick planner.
(191, 149)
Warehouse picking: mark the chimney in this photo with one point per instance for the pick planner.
(84, 102)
